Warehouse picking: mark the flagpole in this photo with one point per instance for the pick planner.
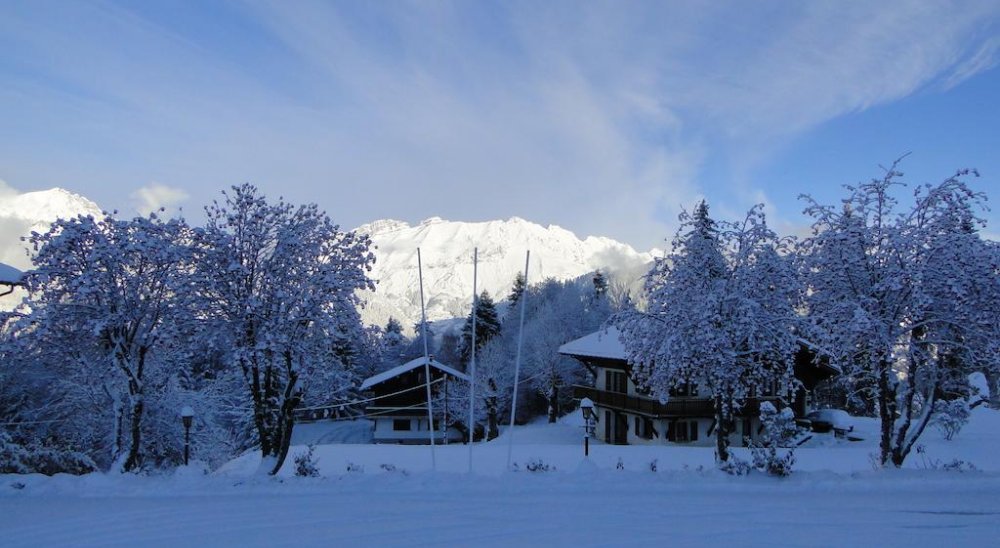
(517, 360)
(427, 361)
(472, 363)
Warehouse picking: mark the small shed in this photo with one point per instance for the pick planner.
(10, 278)
(398, 405)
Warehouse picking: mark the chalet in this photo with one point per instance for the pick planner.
(399, 402)
(627, 415)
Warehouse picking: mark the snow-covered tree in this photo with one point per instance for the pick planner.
(487, 325)
(720, 314)
(557, 312)
(282, 281)
(494, 387)
(415, 348)
(393, 344)
(600, 284)
(516, 290)
(904, 301)
(774, 454)
(104, 290)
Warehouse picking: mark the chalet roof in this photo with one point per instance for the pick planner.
(409, 366)
(606, 344)
(9, 274)
(599, 344)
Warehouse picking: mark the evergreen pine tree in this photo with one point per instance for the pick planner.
(393, 344)
(487, 325)
(517, 290)
(600, 284)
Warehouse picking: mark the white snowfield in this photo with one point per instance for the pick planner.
(446, 252)
(834, 498)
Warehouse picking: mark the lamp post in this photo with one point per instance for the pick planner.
(587, 406)
(187, 416)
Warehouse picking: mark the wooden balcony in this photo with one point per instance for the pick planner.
(649, 407)
(639, 405)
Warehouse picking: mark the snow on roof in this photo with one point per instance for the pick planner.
(408, 366)
(9, 274)
(605, 343)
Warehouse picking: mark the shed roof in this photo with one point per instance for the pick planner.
(9, 274)
(409, 366)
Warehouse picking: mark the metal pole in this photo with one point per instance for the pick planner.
(472, 364)
(187, 443)
(427, 361)
(517, 360)
(586, 441)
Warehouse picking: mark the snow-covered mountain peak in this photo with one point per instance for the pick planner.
(22, 213)
(446, 249)
(382, 226)
(45, 206)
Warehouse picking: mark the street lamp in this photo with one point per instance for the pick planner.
(187, 416)
(587, 406)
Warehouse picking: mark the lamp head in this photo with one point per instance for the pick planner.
(187, 415)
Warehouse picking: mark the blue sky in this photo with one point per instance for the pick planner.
(604, 118)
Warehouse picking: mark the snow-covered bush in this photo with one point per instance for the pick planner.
(774, 452)
(13, 457)
(354, 468)
(18, 459)
(735, 466)
(950, 416)
(954, 465)
(305, 464)
(534, 465)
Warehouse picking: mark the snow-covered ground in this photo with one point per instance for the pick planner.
(834, 498)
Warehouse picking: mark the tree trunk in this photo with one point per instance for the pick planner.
(135, 389)
(492, 430)
(553, 403)
(721, 433)
(119, 431)
(132, 462)
(886, 411)
(286, 416)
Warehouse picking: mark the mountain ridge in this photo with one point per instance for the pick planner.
(446, 253)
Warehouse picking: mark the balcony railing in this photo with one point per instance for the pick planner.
(676, 407)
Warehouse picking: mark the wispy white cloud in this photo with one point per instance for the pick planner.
(156, 196)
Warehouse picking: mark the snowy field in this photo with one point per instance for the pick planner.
(834, 498)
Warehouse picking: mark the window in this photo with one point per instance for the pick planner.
(615, 381)
(681, 431)
(401, 424)
(644, 428)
